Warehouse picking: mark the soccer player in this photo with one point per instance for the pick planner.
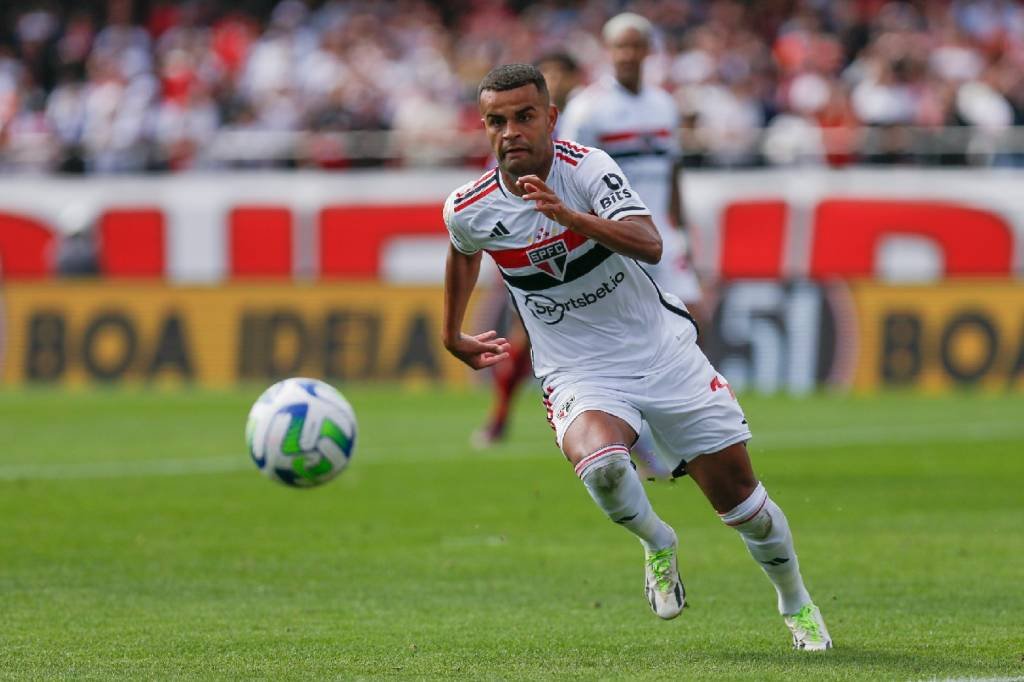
(610, 348)
(636, 124)
(562, 76)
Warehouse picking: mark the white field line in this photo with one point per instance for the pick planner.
(764, 440)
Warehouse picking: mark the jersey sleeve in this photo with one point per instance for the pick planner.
(458, 234)
(605, 188)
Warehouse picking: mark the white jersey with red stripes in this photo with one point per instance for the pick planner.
(586, 308)
(638, 130)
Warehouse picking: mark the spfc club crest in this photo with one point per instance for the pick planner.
(550, 258)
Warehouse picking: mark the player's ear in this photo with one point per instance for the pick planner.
(552, 118)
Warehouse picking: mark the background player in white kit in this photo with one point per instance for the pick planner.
(637, 125)
(565, 230)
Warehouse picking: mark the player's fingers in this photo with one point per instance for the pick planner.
(489, 342)
(542, 200)
(497, 348)
(491, 359)
(535, 181)
(492, 340)
(545, 201)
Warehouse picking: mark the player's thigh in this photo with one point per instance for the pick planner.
(593, 430)
(588, 413)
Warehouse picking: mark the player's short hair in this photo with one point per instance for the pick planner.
(512, 76)
(560, 57)
(621, 23)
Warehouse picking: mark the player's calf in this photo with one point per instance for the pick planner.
(616, 489)
(765, 531)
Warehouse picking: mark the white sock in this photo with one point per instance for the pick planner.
(764, 528)
(643, 451)
(617, 490)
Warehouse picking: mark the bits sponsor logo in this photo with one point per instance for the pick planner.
(615, 197)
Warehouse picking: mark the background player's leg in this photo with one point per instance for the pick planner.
(649, 465)
(595, 443)
(508, 376)
(728, 481)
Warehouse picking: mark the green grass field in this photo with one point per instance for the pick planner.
(138, 541)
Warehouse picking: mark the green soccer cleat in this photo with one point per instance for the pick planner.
(808, 628)
(662, 586)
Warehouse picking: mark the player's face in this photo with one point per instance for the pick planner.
(519, 124)
(628, 52)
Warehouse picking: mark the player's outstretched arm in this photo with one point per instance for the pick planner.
(480, 350)
(634, 236)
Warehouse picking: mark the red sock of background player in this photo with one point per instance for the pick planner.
(508, 376)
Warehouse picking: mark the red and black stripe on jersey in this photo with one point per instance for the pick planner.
(624, 135)
(581, 261)
(569, 152)
(626, 144)
(484, 186)
(578, 148)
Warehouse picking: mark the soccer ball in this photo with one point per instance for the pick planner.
(301, 432)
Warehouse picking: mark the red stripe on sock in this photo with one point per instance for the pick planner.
(594, 456)
(742, 521)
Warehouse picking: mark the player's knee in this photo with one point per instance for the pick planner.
(609, 476)
(751, 517)
(759, 527)
(604, 468)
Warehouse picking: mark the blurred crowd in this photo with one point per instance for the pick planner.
(120, 86)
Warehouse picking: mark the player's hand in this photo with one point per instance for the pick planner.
(480, 351)
(547, 202)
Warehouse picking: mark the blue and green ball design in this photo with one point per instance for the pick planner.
(301, 432)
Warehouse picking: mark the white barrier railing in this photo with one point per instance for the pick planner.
(797, 143)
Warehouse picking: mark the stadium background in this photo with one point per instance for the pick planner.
(213, 195)
(829, 144)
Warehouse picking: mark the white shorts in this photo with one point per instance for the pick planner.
(689, 406)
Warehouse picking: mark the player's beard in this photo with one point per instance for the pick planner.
(529, 164)
(519, 166)
(514, 173)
